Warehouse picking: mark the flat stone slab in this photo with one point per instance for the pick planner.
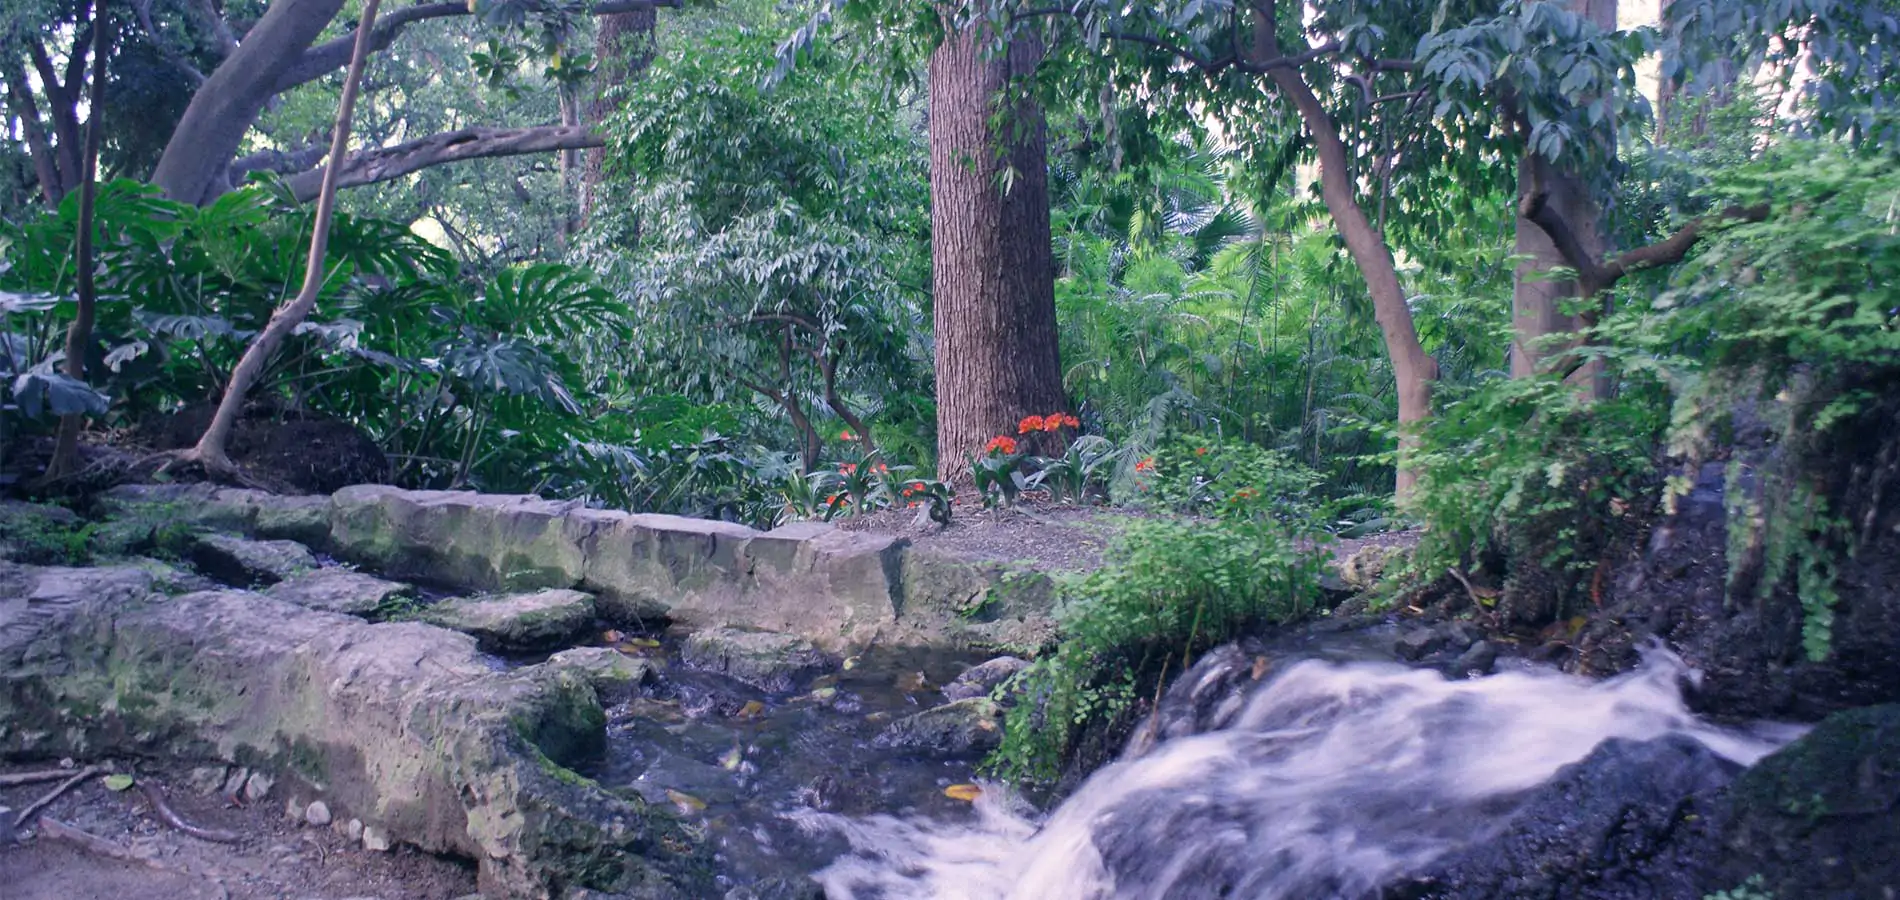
(518, 623)
(766, 660)
(401, 725)
(247, 563)
(340, 590)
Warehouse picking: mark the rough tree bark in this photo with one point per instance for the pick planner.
(623, 48)
(1537, 300)
(210, 450)
(79, 333)
(195, 162)
(993, 268)
(1414, 369)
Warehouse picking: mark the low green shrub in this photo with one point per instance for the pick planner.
(1533, 480)
(1175, 588)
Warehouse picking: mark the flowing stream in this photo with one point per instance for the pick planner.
(1325, 780)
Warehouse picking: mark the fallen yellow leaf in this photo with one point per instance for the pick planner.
(850, 662)
(1259, 667)
(965, 792)
(687, 803)
(750, 710)
(732, 758)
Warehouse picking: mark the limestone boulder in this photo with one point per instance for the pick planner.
(485, 542)
(249, 563)
(341, 590)
(517, 623)
(403, 726)
(40, 533)
(614, 675)
(769, 661)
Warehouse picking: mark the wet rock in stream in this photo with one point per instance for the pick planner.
(517, 623)
(960, 728)
(614, 675)
(1618, 824)
(981, 680)
(340, 591)
(766, 660)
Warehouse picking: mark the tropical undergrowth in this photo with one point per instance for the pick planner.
(1176, 587)
(1774, 349)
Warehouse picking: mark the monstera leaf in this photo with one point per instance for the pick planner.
(39, 392)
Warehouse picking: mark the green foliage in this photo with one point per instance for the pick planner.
(1791, 322)
(1083, 470)
(1530, 477)
(1207, 476)
(771, 237)
(1175, 588)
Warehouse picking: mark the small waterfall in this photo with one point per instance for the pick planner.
(1325, 781)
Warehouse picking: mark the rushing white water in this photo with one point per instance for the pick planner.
(1330, 780)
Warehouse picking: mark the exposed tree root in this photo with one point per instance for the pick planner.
(169, 816)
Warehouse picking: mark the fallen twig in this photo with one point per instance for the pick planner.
(94, 844)
(19, 778)
(27, 814)
(170, 817)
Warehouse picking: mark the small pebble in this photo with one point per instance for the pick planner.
(258, 786)
(317, 814)
(375, 839)
(293, 810)
(355, 830)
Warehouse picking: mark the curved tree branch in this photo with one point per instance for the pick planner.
(387, 163)
(1595, 276)
(329, 56)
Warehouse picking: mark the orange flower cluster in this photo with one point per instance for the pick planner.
(1200, 451)
(847, 468)
(1245, 494)
(1001, 443)
(846, 435)
(1145, 465)
(1050, 422)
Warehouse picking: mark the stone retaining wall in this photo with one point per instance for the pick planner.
(841, 589)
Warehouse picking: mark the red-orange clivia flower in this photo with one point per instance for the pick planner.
(1032, 423)
(847, 468)
(1001, 443)
(1145, 465)
(846, 435)
(1200, 451)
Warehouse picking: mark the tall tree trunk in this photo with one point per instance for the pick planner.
(623, 48)
(993, 267)
(194, 166)
(1414, 369)
(210, 450)
(79, 333)
(1537, 300)
(39, 145)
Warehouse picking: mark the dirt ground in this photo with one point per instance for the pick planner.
(1061, 537)
(275, 860)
